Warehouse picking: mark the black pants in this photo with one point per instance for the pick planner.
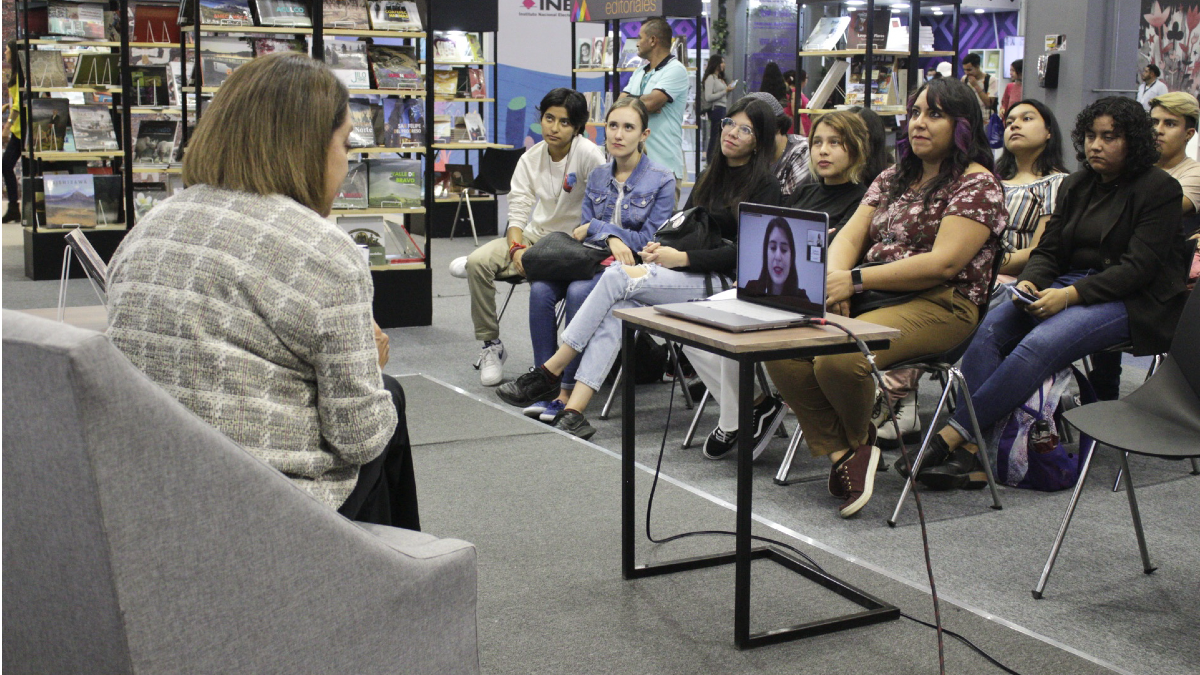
(1106, 375)
(715, 115)
(12, 153)
(386, 492)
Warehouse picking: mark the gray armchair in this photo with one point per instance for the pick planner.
(138, 539)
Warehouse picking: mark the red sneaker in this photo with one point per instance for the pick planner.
(857, 476)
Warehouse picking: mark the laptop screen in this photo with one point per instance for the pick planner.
(781, 257)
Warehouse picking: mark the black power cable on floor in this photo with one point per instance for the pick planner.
(937, 625)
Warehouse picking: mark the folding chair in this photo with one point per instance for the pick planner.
(496, 169)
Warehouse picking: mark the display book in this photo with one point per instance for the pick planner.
(81, 200)
(596, 52)
(393, 15)
(57, 125)
(382, 183)
(382, 240)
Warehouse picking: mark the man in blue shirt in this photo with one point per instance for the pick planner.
(663, 86)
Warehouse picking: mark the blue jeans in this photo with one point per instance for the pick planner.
(1013, 353)
(543, 324)
(596, 333)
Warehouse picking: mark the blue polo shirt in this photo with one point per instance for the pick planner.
(665, 144)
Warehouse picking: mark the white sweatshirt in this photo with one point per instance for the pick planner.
(544, 197)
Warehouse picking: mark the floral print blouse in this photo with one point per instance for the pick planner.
(906, 227)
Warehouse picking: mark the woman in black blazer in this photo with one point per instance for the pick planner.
(1109, 269)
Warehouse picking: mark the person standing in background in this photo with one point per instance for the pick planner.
(1012, 92)
(1151, 87)
(715, 101)
(12, 129)
(805, 120)
(983, 84)
(663, 86)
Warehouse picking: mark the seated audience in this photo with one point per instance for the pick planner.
(839, 157)
(547, 196)
(926, 225)
(1108, 270)
(790, 163)
(879, 157)
(240, 299)
(625, 203)
(1031, 168)
(741, 173)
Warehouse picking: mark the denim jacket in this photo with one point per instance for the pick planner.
(648, 202)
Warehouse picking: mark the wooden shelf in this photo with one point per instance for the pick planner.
(57, 230)
(72, 43)
(212, 28)
(406, 93)
(877, 52)
(150, 168)
(398, 266)
(455, 200)
(102, 89)
(81, 156)
(373, 33)
(376, 212)
(451, 99)
(459, 63)
(411, 149)
(154, 45)
(687, 183)
(691, 126)
(470, 146)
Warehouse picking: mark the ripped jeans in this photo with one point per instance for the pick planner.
(596, 334)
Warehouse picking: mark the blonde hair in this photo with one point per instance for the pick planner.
(1181, 104)
(853, 132)
(268, 130)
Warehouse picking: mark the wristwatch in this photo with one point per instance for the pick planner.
(856, 279)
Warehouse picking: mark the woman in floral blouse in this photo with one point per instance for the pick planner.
(926, 225)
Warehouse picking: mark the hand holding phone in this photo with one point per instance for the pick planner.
(1022, 296)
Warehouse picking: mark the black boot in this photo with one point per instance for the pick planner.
(935, 455)
(961, 470)
(13, 214)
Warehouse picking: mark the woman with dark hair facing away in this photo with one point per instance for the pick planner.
(295, 377)
(805, 118)
(12, 129)
(927, 224)
(773, 84)
(878, 158)
(1031, 169)
(1109, 269)
(715, 101)
(838, 157)
(741, 173)
(1012, 90)
(627, 200)
(790, 163)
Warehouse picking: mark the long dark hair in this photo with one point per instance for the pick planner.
(1132, 121)
(1051, 159)
(15, 74)
(716, 186)
(878, 156)
(713, 67)
(772, 82)
(791, 285)
(958, 102)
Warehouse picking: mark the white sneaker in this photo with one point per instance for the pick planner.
(491, 365)
(458, 267)
(906, 419)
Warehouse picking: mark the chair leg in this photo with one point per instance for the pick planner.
(980, 441)
(1195, 467)
(785, 467)
(511, 288)
(691, 432)
(1066, 522)
(470, 216)
(1120, 474)
(62, 284)
(454, 223)
(916, 463)
(1137, 516)
(612, 394)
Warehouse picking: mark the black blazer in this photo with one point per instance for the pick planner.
(1142, 251)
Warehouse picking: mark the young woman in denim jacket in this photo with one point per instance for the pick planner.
(625, 203)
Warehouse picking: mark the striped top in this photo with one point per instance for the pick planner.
(1026, 205)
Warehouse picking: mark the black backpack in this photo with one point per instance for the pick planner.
(692, 230)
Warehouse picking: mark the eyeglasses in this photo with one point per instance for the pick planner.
(744, 132)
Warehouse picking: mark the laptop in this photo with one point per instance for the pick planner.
(782, 259)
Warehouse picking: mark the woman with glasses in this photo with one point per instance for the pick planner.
(741, 173)
(924, 227)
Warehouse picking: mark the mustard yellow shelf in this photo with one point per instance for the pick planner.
(406, 93)
(212, 28)
(372, 33)
(73, 43)
(452, 99)
(470, 146)
(398, 266)
(455, 200)
(420, 149)
(86, 155)
(149, 168)
(375, 212)
(101, 89)
(54, 230)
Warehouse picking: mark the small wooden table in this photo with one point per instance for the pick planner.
(746, 349)
(91, 317)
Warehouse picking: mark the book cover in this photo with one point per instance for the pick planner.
(476, 130)
(395, 67)
(93, 127)
(155, 141)
(858, 34)
(109, 198)
(225, 12)
(608, 51)
(370, 233)
(353, 193)
(584, 53)
(97, 69)
(680, 50)
(146, 196)
(629, 55)
(70, 200)
(46, 69)
(150, 85)
(49, 119)
(155, 23)
(442, 129)
(282, 13)
(394, 183)
(216, 68)
(826, 33)
(598, 52)
(837, 68)
(445, 82)
(476, 49)
(401, 15)
(76, 19)
(404, 122)
(180, 144)
(477, 83)
(348, 60)
(264, 46)
(363, 122)
(149, 56)
(446, 48)
(345, 14)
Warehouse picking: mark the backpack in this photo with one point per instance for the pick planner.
(649, 360)
(1025, 445)
(692, 230)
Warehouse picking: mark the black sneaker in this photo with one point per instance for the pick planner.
(936, 454)
(536, 385)
(962, 470)
(574, 423)
(767, 416)
(719, 443)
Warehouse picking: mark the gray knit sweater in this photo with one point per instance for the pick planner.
(255, 313)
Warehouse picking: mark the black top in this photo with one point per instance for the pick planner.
(839, 201)
(723, 260)
(1104, 205)
(1143, 257)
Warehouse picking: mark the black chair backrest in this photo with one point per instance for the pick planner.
(1185, 345)
(496, 170)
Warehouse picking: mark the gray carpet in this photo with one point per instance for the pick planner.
(543, 510)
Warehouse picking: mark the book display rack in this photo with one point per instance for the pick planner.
(617, 58)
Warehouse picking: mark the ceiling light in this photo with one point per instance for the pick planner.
(856, 3)
(900, 5)
(979, 10)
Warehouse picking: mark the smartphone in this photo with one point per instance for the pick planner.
(1022, 296)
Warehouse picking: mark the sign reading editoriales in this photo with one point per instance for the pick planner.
(603, 10)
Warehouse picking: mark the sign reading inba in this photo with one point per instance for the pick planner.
(603, 10)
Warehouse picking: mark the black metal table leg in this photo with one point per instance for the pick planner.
(628, 446)
(745, 500)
